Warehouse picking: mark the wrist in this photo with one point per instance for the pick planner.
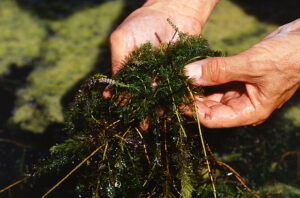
(199, 9)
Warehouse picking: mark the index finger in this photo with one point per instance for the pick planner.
(120, 48)
(234, 112)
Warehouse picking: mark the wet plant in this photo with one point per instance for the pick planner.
(114, 157)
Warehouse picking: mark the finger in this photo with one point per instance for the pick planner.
(218, 70)
(189, 110)
(123, 99)
(144, 124)
(107, 92)
(208, 101)
(213, 97)
(235, 112)
(120, 48)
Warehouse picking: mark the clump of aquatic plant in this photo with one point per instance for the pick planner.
(116, 157)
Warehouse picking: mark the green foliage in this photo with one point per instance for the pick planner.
(162, 161)
(25, 36)
(166, 160)
(64, 44)
(69, 55)
(18, 43)
(281, 190)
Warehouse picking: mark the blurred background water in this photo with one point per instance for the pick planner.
(49, 47)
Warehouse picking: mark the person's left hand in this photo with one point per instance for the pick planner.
(256, 81)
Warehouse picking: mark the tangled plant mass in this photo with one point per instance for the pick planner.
(116, 158)
(165, 159)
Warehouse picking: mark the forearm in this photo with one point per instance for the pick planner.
(200, 9)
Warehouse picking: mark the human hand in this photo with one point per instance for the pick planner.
(149, 23)
(255, 82)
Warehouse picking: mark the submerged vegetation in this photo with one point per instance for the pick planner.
(166, 160)
(60, 50)
(121, 160)
(69, 55)
(116, 158)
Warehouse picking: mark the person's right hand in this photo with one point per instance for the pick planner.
(149, 23)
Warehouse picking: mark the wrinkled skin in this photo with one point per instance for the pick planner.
(268, 72)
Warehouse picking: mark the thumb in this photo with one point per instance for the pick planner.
(217, 70)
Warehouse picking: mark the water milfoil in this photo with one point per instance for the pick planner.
(114, 156)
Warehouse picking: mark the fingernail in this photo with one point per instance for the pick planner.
(193, 71)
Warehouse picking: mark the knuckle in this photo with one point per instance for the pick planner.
(215, 69)
(112, 35)
(115, 36)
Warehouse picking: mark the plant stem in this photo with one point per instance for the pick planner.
(175, 108)
(145, 149)
(73, 170)
(202, 142)
(12, 185)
